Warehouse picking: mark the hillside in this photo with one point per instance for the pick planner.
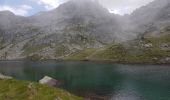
(70, 27)
(23, 90)
(148, 50)
(74, 31)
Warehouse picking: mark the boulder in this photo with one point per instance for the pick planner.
(148, 45)
(165, 46)
(49, 81)
(165, 60)
(5, 77)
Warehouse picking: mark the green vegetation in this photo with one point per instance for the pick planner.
(2, 41)
(144, 49)
(81, 55)
(61, 50)
(32, 49)
(141, 51)
(114, 52)
(24, 90)
(157, 41)
(34, 57)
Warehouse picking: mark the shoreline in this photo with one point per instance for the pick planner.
(89, 60)
(34, 90)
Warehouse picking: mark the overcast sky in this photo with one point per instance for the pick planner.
(30, 7)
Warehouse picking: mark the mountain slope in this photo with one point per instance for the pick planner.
(74, 31)
(152, 17)
(70, 27)
(152, 25)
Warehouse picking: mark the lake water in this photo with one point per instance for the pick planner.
(114, 81)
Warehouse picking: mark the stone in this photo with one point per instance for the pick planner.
(165, 60)
(155, 58)
(165, 46)
(5, 77)
(148, 45)
(49, 81)
(58, 98)
(30, 85)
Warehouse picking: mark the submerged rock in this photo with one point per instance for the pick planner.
(49, 81)
(5, 77)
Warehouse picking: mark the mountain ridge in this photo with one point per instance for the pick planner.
(73, 27)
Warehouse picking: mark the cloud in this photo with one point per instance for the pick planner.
(115, 11)
(50, 4)
(122, 10)
(114, 6)
(123, 6)
(22, 10)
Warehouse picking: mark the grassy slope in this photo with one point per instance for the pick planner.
(33, 49)
(81, 55)
(133, 54)
(23, 90)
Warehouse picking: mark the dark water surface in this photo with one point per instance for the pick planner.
(118, 81)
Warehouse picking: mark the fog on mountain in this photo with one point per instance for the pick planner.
(77, 25)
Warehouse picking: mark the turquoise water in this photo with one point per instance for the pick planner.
(117, 81)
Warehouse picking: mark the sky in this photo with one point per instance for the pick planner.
(30, 7)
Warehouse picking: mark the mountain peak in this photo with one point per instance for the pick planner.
(82, 7)
(7, 12)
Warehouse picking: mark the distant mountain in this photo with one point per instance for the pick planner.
(73, 27)
(75, 18)
(152, 17)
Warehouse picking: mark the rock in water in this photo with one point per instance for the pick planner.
(49, 81)
(5, 77)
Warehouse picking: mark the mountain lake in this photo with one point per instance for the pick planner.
(92, 79)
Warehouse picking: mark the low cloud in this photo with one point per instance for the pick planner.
(123, 6)
(22, 10)
(50, 4)
(114, 6)
(120, 7)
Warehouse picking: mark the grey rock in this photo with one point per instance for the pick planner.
(148, 45)
(5, 77)
(49, 81)
(165, 46)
